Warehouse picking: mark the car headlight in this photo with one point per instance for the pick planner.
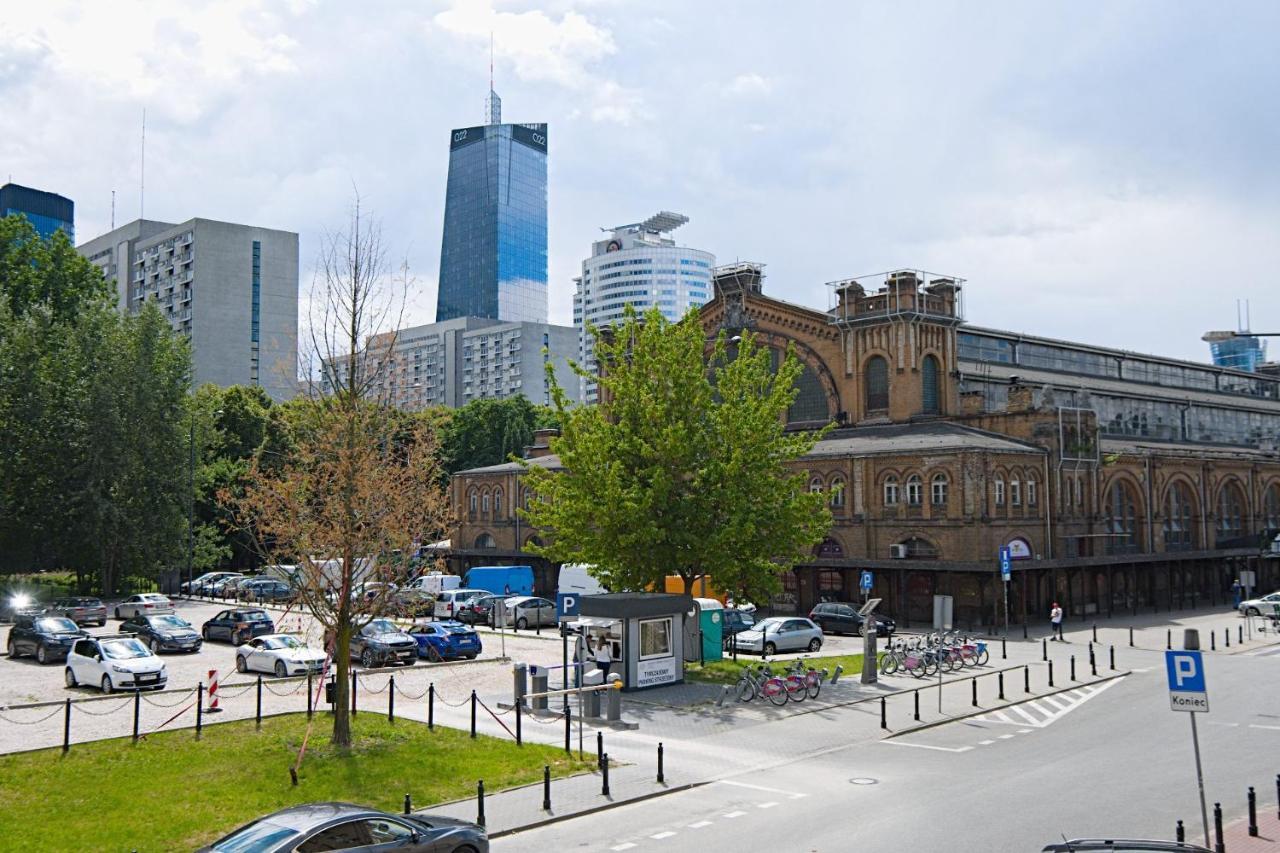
(20, 600)
(122, 669)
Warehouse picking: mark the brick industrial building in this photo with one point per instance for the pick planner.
(1118, 481)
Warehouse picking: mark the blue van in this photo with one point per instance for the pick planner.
(501, 580)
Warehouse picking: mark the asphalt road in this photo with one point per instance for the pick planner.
(1112, 760)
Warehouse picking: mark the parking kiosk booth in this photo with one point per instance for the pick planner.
(647, 635)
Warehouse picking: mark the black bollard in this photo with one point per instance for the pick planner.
(599, 749)
(355, 687)
(662, 777)
(546, 788)
(66, 729)
(568, 729)
(137, 711)
(1113, 658)
(884, 722)
(1004, 653)
(917, 702)
(1240, 634)
(199, 708)
(1095, 632)
(1213, 642)
(1253, 813)
(391, 699)
(519, 734)
(1024, 630)
(257, 714)
(604, 775)
(1218, 845)
(473, 713)
(408, 804)
(1050, 673)
(1093, 666)
(309, 699)
(1168, 638)
(480, 802)
(1000, 679)
(1130, 638)
(973, 682)
(1026, 679)
(1180, 834)
(1226, 635)
(431, 705)
(1044, 650)
(1073, 667)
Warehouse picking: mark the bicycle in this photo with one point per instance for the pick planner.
(759, 681)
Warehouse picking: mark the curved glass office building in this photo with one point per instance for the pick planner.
(493, 258)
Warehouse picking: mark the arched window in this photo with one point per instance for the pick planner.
(930, 394)
(1179, 521)
(528, 497)
(915, 490)
(877, 385)
(829, 549)
(837, 492)
(1015, 492)
(1231, 514)
(497, 501)
(1271, 507)
(891, 490)
(815, 485)
(999, 484)
(484, 503)
(1080, 494)
(811, 400)
(1032, 497)
(920, 549)
(484, 540)
(938, 490)
(1069, 492)
(473, 501)
(1122, 520)
(830, 584)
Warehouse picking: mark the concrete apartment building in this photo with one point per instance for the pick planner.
(232, 289)
(453, 362)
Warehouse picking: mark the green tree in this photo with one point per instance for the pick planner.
(488, 432)
(684, 468)
(45, 273)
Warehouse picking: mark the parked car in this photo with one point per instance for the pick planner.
(780, 634)
(264, 590)
(446, 640)
(16, 604)
(436, 582)
(449, 602)
(144, 603)
(197, 586)
(374, 589)
(163, 633)
(81, 609)
(280, 654)
(475, 611)
(115, 663)
(218, 588)
(736, 621)
(381, 643)
(1264, 606)
(236, 587)
(525, 611)
(411, 603)
(343, 826)
(49, 638)
(238, 626)
(838, 617)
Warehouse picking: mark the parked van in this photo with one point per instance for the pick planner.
(449, 603)
(576, 578)
(436, 583)
(501, 580)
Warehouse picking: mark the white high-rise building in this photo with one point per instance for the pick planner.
(637, 265)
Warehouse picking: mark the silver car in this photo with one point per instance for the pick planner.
(525, 611)
(779, 634)
(144, 604)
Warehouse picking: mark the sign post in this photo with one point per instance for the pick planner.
(1187, 692)
(1006, 569)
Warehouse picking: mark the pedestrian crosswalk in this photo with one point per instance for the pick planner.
(1047, 710)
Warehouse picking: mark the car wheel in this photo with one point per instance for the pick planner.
(242, 665)
(366, 659)
(42, 656)
(13, 648)
(236, 639)
(522, 623)
(155, 646)
(770, 649)
(281, 669)
(1253, 611)
(69, 677)
(471, 656)
(204, 632)
(815, 644)
(118, 616)
(106, 684)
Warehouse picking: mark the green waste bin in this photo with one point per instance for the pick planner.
(711, 625)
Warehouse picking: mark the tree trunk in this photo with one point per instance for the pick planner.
(342, 672)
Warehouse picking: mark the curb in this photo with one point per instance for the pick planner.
(981, 711)
(689, 786)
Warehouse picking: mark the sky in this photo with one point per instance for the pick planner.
(1104, 172)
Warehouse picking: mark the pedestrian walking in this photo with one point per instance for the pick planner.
(1236, 589)
(603, 659)
(1055, 619)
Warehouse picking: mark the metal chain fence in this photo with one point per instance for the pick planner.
(298, 685)
(182, 697)
(84, 710)
(58, 709)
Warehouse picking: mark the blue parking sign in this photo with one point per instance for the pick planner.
(1187, 690)
(865, 582)
(567, 604)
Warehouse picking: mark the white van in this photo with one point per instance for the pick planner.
(436, 583)
(575, 578)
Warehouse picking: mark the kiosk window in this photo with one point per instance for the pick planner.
(655, 638)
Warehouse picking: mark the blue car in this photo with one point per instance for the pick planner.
(446, 640)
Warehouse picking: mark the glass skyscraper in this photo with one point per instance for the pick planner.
(46, 211)
(493, 258)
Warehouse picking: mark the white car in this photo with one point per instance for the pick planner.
(144, 604)
(281, 654)
(115, 663)
(1265, 606)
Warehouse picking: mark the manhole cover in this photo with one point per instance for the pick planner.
(863, 780)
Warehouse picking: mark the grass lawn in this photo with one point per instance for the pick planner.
(728, 672)
(172, 792)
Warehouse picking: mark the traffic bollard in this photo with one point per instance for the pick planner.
(599, 749)
(1050, 673)
(1000, 680)
(973, 682)
(431, 705)
(519, 734)
(604, 776)
(1026, 679)
(408, 804)
(1073, 667)
(1278, 795)
(884, 722)
(480, 802)
(257, 714)
(546, 788)
(1253, 813)
(1168, 638)
(917, 703)
(662, 777)
(66, 729)
(355, 687)
(1130, 638)
(1218, 845)
(200, 709)
(1044, 650)
(835, 676)
(1004, 654)
(1095, 632)
(1113, 657)
(473, 713)
(391, 699)
(309, 694)
(1240, 634)
(1093, 666)
(137, 711)
(1180, 834)
(1213, 641)
(1226, 635)
(568, 730)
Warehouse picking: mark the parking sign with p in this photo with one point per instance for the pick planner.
(1187, 690)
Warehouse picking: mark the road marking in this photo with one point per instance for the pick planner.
(1024, 731)
(927, 746)
(985, 742)
(1057, 706)
(658, 836)
(1144, 669)
(1005, 737)
(1002, 717)
(1260, 726)
(1039, 715)
(734, 814)
(768, 805)
(700, 824)
(1216, 723)
(1017, 709)
(795, 795)
(627, 846)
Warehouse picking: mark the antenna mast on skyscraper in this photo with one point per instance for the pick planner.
(142, 170)
(492, 104)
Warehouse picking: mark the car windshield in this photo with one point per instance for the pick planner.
(169, 622)
(258, 836)
(56, 626)
(382, 626)
(158, 599)
(281, 643)
(124, 649)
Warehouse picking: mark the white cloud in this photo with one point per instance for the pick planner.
(749, 84)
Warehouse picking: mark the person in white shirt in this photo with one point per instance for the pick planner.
(603, 659)
(1055, 619)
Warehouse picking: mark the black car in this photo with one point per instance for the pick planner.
(342, 826)
(238, 626)
(839, 617)
(734, 621)
(381, 643)
(475, 611)
(81, 609)
(163, 633)
(49, 638)
(268, 589)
